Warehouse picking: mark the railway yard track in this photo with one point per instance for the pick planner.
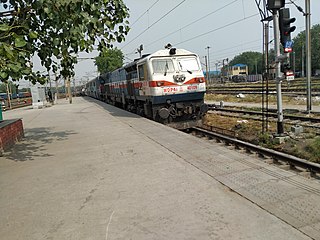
(292, 88)
(285, 91)
(270, 115)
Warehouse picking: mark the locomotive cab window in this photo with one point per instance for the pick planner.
(162, 66)
(143, 72)
(188, 64)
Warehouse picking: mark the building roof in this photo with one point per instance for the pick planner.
(240, 65)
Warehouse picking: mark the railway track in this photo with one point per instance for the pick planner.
(284, 160)
(295, 92)
(313, 122)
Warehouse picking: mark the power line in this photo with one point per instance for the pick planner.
(239, 45)
(199, 19)
(144, 13)
(216, 29)
(154, 23)
(251, 48)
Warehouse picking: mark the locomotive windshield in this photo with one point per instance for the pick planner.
(188, 64)
(162, 66)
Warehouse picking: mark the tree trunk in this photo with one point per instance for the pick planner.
(69, 90)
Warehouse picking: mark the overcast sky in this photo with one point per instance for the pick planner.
(228, 27)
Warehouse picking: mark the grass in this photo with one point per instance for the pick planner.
(306, 145)
(253, 98)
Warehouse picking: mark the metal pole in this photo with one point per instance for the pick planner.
(278, 70)
(302, 61)
(207, 74)
(208, 63)
(308, 56)
(266, 77)
(294, 62)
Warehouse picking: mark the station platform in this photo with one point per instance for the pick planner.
(88, 170)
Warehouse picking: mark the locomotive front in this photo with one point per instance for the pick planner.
(176, 86)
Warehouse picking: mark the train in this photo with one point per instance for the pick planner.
(15, 95)
(167, 86)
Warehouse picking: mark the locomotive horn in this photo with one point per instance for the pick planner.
(168, 46)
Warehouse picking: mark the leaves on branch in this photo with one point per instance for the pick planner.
(56, 29)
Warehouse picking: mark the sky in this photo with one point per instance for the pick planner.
(227, 27)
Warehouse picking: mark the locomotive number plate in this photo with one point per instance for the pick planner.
(170, 89)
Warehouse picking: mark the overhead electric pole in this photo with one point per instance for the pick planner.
(208, 63)
(207, 74)
(308, 56)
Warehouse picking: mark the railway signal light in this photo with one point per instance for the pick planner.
(286, 29)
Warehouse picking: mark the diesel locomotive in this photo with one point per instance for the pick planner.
(167, 86)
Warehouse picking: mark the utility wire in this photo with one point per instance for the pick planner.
(216, 29)
(223, 55)
(144, 13)
(199, 19)
(300, 9)
(236, 46)
(154, 23)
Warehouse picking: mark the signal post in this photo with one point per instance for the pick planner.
(282, 33)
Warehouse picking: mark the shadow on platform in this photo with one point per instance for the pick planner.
(113, 110)
(34, 144)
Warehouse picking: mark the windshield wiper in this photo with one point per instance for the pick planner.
(166, 67)
(183, 68)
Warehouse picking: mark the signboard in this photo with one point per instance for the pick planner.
(289, 75)
(288, 46)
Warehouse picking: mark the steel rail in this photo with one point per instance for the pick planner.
(277, 156)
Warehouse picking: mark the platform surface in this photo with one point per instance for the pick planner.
(88, 170)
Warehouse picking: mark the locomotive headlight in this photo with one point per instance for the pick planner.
(200, 80)
(183, 77)
(159, 83)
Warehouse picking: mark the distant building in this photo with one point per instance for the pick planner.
(237, 69)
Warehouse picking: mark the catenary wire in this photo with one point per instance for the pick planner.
(216, 29)
(154, 23)
(144, 13)
(193, 22)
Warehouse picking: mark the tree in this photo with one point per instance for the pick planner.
(12, 86)
(109, 60)
(55, 30)
(252, 59)
(299, 43)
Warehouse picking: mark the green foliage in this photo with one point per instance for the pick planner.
(3, 88)
(252, 59)
(56, 29)
(12, 86)
(265, 140)
(300, 42)
(313, 150)
(109, 60)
